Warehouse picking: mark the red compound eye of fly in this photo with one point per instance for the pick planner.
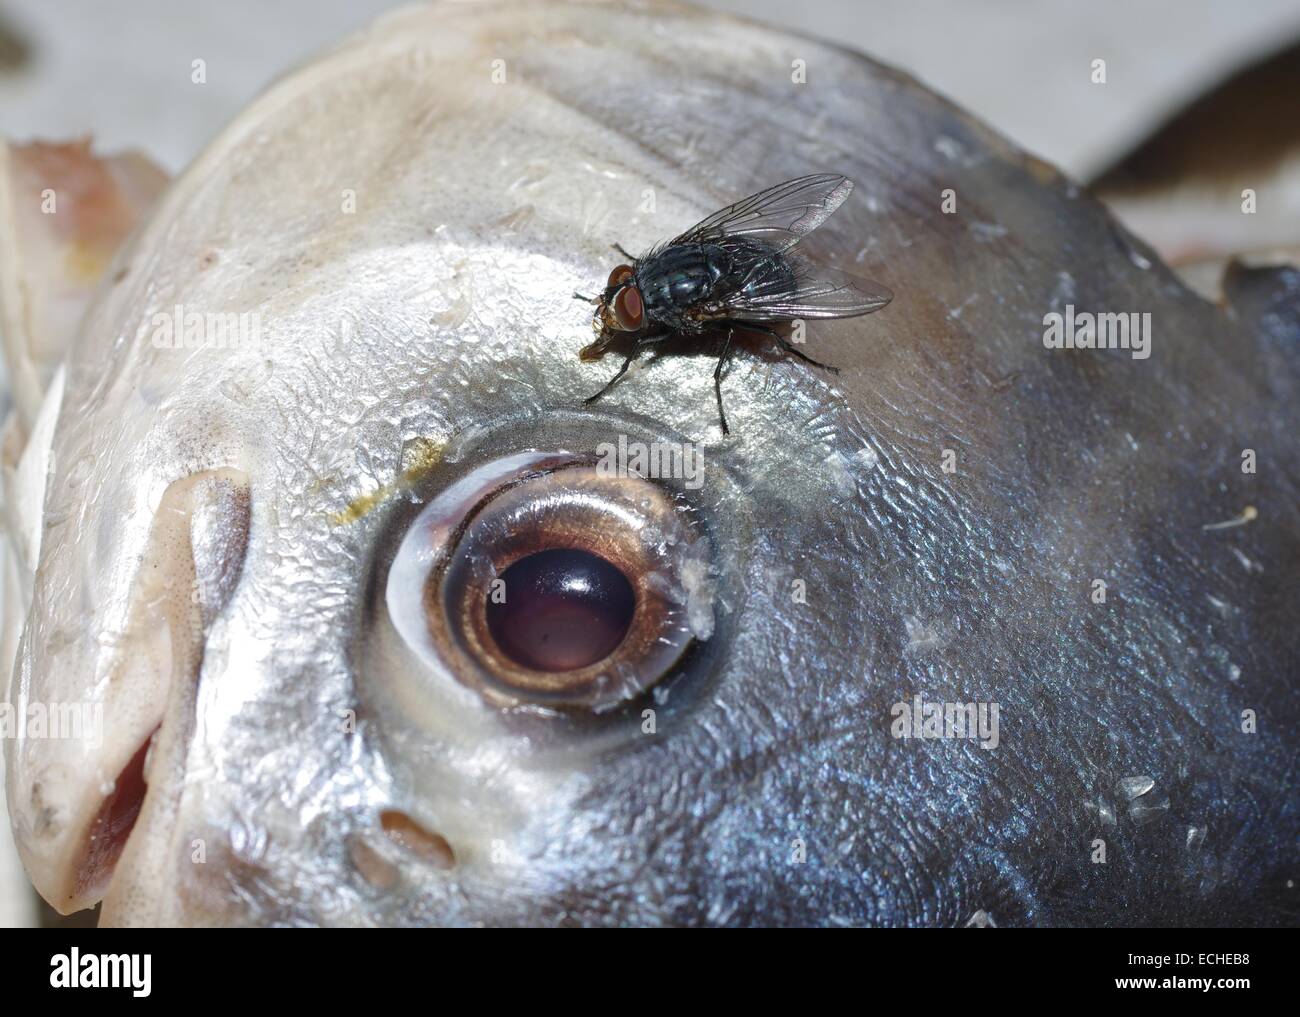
(628, 309)
(619, 276)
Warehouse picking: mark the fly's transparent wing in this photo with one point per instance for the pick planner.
(779, 288)
(779, 216)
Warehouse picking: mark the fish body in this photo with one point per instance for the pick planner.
(227, 537)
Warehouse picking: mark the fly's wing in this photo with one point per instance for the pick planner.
(781, 287)
(778, 217)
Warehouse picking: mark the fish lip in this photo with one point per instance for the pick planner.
(71, 833)
(163, 780)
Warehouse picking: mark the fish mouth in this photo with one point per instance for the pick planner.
(86, 858)
(126, 844)
(99, 813)
(112, 827)
(137, 862)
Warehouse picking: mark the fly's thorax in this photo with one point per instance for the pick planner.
(680, 277)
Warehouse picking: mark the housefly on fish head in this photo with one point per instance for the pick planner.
(736, 271)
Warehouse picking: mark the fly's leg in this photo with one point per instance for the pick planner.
(641, 343)
(789, 347)
(717, 380)
(585, 299)
(627, 362)
(621, 250)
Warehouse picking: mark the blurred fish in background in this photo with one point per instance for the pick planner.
(1220, 179)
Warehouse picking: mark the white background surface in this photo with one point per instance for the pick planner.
(121, 68)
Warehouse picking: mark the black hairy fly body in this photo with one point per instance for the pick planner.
(736, 271)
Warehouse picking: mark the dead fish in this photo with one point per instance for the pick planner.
(324, 400)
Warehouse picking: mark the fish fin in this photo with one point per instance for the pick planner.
(64, 213)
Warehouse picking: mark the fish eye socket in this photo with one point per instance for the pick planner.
(628, 309)
(620, 275)
(538, 580)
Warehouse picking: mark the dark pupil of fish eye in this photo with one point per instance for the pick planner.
(563, 609)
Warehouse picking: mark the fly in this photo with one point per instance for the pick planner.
(736, 271)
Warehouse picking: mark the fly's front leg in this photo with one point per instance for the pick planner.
(623, 251)
(585, 299)
(717, 380)
(789, 347)
(627, 362)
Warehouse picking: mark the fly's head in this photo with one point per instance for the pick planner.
(619, 309)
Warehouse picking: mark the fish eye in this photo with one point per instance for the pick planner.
(539, 580)
(629, 311)
(570, 609)
(620, 275)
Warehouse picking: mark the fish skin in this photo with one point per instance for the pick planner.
(440, 311)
